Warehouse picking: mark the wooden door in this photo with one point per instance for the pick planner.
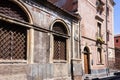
(86, 64)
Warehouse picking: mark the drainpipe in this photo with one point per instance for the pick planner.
(107, 40)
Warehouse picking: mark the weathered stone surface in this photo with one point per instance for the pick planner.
(41, 47)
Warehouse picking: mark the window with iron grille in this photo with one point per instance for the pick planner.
(13, 40)
(59, 48)
(60, 52)
(13, 37)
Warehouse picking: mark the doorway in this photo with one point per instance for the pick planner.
(87, 61)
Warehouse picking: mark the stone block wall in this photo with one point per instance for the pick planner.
(39, 64)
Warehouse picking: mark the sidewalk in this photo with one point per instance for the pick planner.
(116, 76)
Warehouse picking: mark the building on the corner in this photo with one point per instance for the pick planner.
(117, 50)
(117, 40)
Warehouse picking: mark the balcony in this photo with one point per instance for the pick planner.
(100, 40)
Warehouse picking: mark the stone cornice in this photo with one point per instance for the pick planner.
(112, 2)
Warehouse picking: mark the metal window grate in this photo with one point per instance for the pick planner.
(12, 41)
(60, 41)
(59, 48)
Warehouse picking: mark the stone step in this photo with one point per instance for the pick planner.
(117, 73)
(110, 76)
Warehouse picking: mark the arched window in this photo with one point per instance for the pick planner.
(86, 50)
(13, 37)
(10, 9)
(60, 41)
(60, 28)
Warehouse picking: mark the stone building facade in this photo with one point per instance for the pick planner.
(97, 37)
(38, 41)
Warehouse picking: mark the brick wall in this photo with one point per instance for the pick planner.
(117, 41)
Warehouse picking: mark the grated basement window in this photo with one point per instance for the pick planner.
(13, 42)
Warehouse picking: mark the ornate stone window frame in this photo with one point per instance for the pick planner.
(52, 60)
(99, 6)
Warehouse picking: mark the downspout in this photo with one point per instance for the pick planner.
(107, 40)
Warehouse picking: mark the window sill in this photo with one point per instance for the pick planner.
(76, 59)
(13, 61)
(100, 64)
(59, 61)
(99, 17)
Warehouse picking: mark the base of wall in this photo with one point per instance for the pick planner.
(95, 74)
(99, 71)
(77, 77)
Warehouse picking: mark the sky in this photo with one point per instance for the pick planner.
(117, 17)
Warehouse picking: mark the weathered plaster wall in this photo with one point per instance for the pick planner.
(40, 64)
(87, 10)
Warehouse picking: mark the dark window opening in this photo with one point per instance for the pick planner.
(99, 55)
(107, 11)
(108, 37)
(117, 40)
(99, 29)
(60, 28)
